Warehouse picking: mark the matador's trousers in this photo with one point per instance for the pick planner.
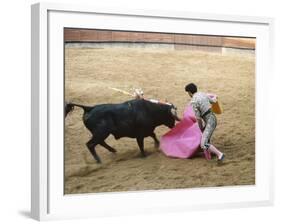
(210, 125)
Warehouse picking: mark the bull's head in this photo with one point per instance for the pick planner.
(173, 116)
(174, 113)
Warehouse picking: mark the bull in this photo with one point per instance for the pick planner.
(136, 118)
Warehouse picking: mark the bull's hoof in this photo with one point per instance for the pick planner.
(156, 145)
(143, 155)
(99, 161)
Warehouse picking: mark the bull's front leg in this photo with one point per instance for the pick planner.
(156, 141)
(140, 143)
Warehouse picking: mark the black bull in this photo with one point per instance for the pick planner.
(134, 119)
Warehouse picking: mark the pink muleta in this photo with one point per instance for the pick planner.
(184, 139)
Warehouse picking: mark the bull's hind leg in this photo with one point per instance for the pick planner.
(91, 146)
(140, 143)
(108, 147)
(98, 139)
(156, 141)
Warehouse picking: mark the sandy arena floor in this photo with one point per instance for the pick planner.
(162, 74)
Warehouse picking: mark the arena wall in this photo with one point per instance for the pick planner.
(104, 38)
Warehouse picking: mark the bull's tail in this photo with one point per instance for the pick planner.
(70, 107)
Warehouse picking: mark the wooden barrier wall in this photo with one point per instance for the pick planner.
(180, 41)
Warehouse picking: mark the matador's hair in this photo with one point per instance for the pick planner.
(191, 87)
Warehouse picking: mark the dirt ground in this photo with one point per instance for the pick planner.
(161, 74)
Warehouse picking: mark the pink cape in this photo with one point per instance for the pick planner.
(184, 139)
